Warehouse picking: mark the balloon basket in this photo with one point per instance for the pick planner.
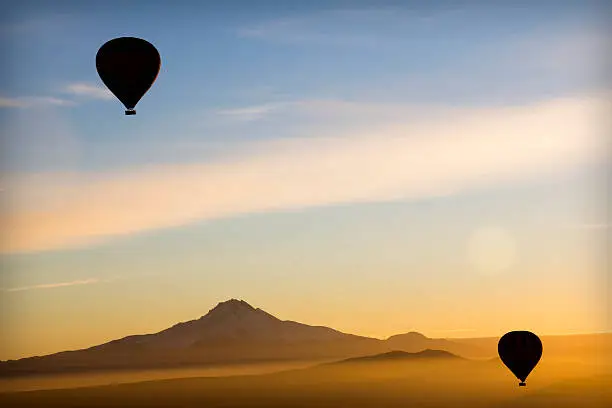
(522, 384)
(130, 112)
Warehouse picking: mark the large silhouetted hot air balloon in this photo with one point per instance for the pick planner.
(128, 66)
(520, 351)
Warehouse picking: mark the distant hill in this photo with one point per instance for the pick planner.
(414, 342)
(397, 355)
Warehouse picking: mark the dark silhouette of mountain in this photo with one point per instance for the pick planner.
(231, 332)
(411, 340)
(233, 322)
(397, 355)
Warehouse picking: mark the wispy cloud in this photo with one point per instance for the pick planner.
(10, 103)
(573, 52)
(327, 108)
(592, 226)
(47, 100)
(422, 157)
(88, 90)
(37, 26)
(33, 101)
(80, 282)
(366, 27)
(54, 285)
(250, 113)
(332, 27)
(549, 54)
(79, 89)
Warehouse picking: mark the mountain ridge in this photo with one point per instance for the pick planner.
(399, 355)
(233, 331)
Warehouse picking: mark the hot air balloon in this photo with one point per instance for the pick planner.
(128, 67)
(520, 351)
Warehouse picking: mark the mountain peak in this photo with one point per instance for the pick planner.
(414, 336)
(231, 307)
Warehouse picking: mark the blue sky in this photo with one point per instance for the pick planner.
(239, 56)
(350, 152)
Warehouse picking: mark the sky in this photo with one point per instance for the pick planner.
(376, 167)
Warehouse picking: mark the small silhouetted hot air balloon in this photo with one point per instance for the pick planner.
(128, 66)
(520, 351)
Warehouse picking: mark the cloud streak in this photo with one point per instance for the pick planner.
(335, 111)
(250, 113)
(88, 91)
(33, 101)
(460, 151)
(593, 226)
(54, 285)
(80, 282)
(79, 89)
(359, 28)
(10, 103)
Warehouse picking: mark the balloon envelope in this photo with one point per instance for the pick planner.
(520, 351)
(128, 66)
